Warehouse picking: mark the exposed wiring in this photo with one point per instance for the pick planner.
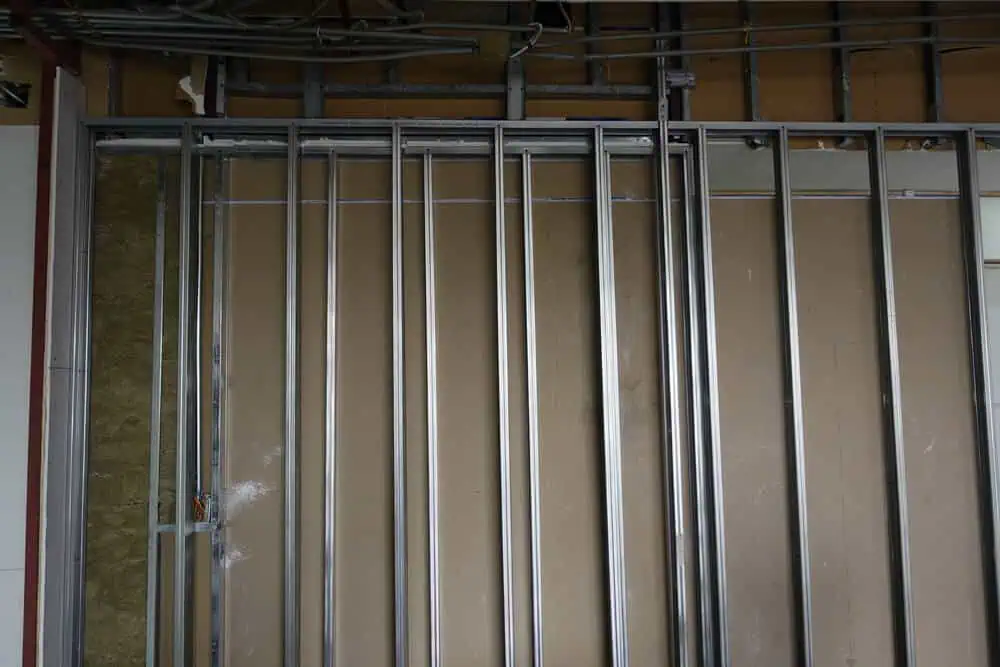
(969, 43)
(290, 57)
(531, 41)
(744, 29)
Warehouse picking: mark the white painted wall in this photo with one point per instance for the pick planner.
(18, 163)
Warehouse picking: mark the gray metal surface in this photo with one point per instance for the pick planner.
(220, 244)
(503, 405)
(671, 409)
(794, 426)
(290, 633)
(433, 480)
(611, 406)
(156, 400)
(330, 416)
(713, 432)
(895, 460)
(979, 349)
(534, 473)
(187, 406)
(398, 409)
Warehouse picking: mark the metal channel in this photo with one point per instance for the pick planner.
(534, 473)
(711, 517)
(670, 409)
(290, 637)
(153, 509)
(220, 241)
(433, 481)
(503, 406)
(398, 406)
(187, 406)
(330, 415)
(892, 415)
(794, 423)
(612, 405)
(979, 345)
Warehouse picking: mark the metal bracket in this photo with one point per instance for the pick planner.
(14, 95)
(516, 101)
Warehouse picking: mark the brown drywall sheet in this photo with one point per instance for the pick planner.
(468, 462)
(364, 540)
(752, 431)
(255, 347)
(312, 355)
(841, 395)
(634, 216)
(946, 566)
(574, 603)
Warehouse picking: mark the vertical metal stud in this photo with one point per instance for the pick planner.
(794, 425)
(398, 405)
(291, 460)
(979, 345)
(892, 416)
(79, 411)
(596, 69)
(612, 405)
(751, 78)
(534, 473)
(188, 449)
(696, 397)
(670, 408)
(841, 68)
(219, 282)
(503, 406)
(933, 91)
(330, 441)
(708, 453)
(433, 482)
(153, 509)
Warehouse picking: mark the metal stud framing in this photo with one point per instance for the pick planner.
(503, 407)
(398, 406)
(433, 481)
(892, 415)
(794, 427)
(153, 509)
(330, 442)
(979, 346)
(611, 400)
(534, 472)
(689, 282)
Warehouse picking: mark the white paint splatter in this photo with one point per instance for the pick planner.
(273, 455)
(233, 555)
(241, 495)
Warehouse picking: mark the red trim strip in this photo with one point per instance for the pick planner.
(36, 397)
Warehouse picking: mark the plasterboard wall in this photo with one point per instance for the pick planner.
(17, 223)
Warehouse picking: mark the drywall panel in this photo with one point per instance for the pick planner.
(465, 274)
(17, 236)
(938, 437)
(646, 559)
(572, 546)
(844, 466)
(255, 346)
(752, 439)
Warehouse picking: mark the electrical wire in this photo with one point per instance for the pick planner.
(744, 29)
(263, 55)
(531, 42)
(766, 48)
